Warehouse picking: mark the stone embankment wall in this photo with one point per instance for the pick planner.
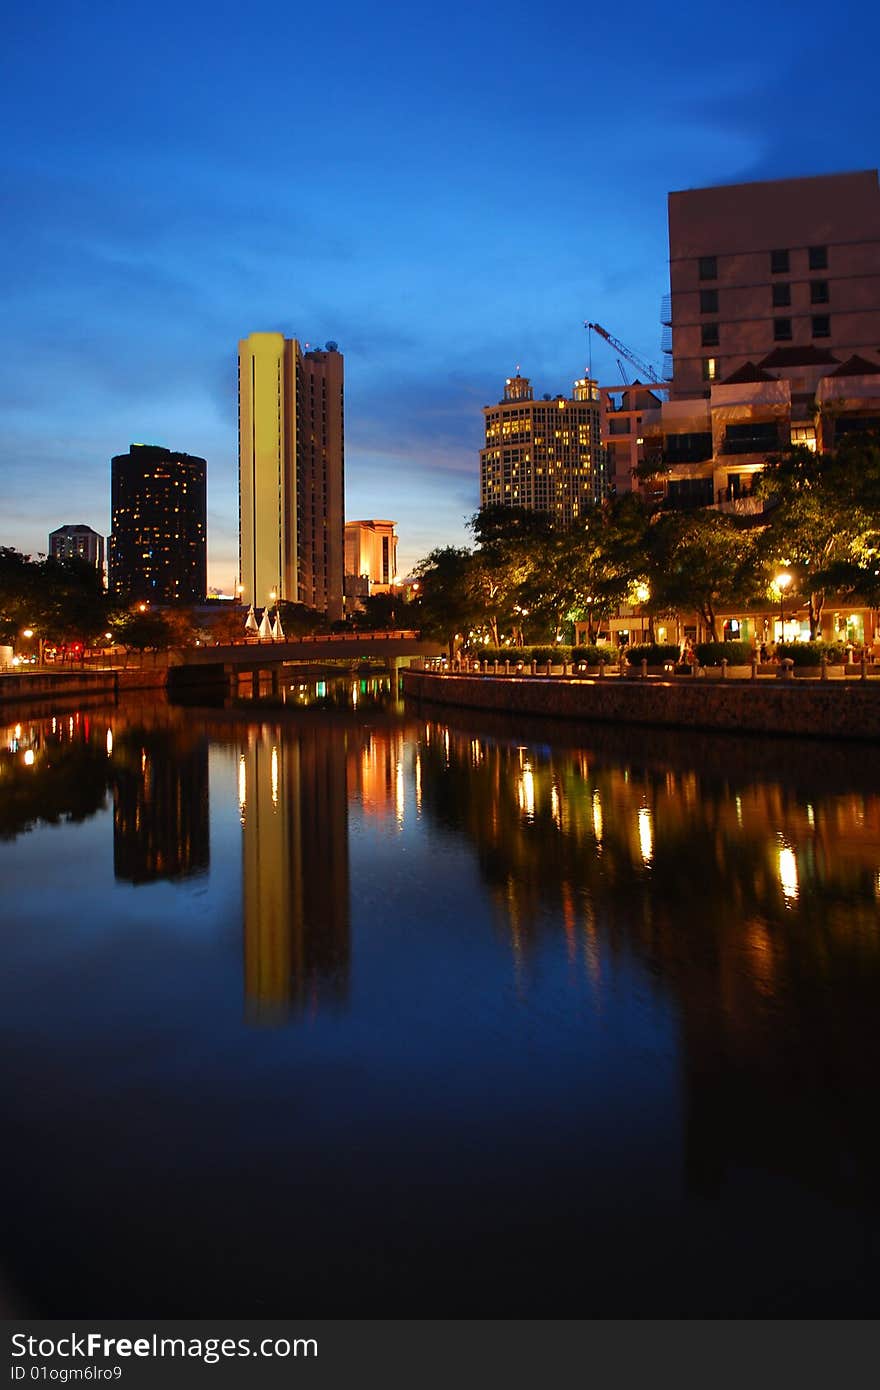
(46, 686)
(819, 709)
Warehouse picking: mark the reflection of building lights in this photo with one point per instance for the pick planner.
(646, 835)
(526, 792)
(811, 817)
(354, 695)
(554, 804)
(29, 757)
(788, 872)
(16, 733)
(109, 742)
(739, 811)
(274, 774)
(597, 817)
(418, 780)
(242, 785)
(399, 800)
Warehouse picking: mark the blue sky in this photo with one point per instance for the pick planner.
(446, 192)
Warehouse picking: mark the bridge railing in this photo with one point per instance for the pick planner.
(399, 635)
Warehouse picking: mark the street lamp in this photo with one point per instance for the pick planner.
(783, 579)
(643, 593)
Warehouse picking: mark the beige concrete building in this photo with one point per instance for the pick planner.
(544, 455)
(78, 542)
(370, 557)
(291, 473)
(754, 267)
(775, 323)
(622, 417)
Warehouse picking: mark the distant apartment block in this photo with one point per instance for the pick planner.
(158, 546)
(775, 330)
(291, 473)
(77, 543)
(370, 557)
(544, 455)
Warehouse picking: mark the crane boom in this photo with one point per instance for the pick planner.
(646, 368)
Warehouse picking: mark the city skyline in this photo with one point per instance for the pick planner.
(143, 238)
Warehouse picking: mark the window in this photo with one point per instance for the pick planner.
(782, 330)
(805, 435)
(778, 262)
(821, 326)
(818, 291)
(708, 267)
(818, 257)
(709, 334)
(781, 295)
(711, 369)
(708, 301)
(755, 437)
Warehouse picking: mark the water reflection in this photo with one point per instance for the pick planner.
(160, 804)
(295, 889)
(600, 993)
(753, 901)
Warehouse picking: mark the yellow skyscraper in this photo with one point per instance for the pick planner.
(290, 450)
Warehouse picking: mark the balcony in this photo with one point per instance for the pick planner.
(753, 438)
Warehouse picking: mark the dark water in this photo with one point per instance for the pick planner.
(357, 1010)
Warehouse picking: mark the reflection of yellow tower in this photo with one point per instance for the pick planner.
(292, 791)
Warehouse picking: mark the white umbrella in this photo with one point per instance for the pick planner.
(277, 629)
(250, 624)
(264, 629)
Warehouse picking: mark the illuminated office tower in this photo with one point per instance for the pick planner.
(291, 449)
(545, 455)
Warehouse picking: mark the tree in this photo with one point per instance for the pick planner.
(512, 544)
(62, 600)
(298, 620)
(701, 560)
(446, 605)
(825, 520)
(143, 631)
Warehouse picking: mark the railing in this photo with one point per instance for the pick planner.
(398, 635)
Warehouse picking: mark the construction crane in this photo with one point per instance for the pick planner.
(646, 369)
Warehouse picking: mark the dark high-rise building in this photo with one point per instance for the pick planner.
(158, 548)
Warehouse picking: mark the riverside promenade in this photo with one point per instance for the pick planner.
(838, 709)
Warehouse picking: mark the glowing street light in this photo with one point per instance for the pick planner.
(783, 580)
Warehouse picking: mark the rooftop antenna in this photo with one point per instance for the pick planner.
(589, 331)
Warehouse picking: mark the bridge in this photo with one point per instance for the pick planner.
(222, 665)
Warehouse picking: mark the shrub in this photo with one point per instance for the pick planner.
(593, 655)
(713, 653)
(556, 653)
(811, 653)
(656, 654)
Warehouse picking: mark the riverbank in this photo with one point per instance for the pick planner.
(21, 687)
(815, 709)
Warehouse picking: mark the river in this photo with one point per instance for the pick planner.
(351, 1008)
